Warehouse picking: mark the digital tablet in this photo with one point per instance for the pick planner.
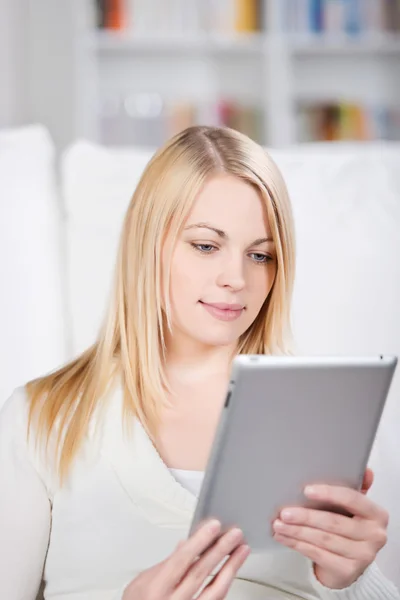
(288, 422)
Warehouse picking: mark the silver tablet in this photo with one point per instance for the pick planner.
(289, 422)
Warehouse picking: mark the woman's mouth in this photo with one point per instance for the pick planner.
(222, 311)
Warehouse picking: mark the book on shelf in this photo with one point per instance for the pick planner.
(110, 14)
(247, 15)
(168, 17)
(349, 17)
(340, 121)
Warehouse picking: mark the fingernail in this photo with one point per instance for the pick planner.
(235, 534)
(310, 490)
(214, 526)
(278, 524)
(287, 515)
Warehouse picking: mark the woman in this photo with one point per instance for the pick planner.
(101, 493)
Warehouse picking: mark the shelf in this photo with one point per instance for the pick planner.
(373, 44)
(125, 42)
(253, 43)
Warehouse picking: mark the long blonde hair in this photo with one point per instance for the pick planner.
(131, 341)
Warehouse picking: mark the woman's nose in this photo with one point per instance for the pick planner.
(232, 274)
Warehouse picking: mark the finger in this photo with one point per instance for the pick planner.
(187, 552)
(367, 481)
(298, 534)
(219, 586)
(326, 560)
(355, 529)
(198, 572)
(352, 500)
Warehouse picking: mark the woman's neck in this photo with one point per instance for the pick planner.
(193, 361)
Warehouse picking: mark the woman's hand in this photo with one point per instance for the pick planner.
(340, 547)
(183, 573)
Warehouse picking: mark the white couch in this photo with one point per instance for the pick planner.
(59, 226)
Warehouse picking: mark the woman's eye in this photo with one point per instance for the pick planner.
(261, 258)
(205, 248)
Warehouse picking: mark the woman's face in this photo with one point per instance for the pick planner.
(223, 264)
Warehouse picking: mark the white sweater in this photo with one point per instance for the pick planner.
(120, 512)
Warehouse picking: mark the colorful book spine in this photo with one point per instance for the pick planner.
(247, 17)
(114, 14)
(315, 15)
(342, 16)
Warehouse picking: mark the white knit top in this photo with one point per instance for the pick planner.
(191, 480)
(120, 512)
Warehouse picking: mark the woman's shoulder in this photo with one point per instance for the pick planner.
(15, 426)
(17, 441)
(14, 412)
(19, 434)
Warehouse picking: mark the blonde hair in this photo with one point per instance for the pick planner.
(131, 341)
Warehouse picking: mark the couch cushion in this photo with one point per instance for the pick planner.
(32, 339)
(347, 215)
(97, 185)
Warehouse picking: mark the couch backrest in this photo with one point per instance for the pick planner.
(347, 215)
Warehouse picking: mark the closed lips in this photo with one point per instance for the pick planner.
(224, 306)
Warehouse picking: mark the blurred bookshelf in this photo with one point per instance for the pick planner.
(282, 71)
(346, 121)
(124, 41)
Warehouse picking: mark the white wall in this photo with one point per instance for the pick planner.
(13, 67)
(58, 70)
(45, 77)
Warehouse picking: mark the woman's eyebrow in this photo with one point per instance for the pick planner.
(222, 234)
(262, 241)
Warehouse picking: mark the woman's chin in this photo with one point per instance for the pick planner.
(218, 339)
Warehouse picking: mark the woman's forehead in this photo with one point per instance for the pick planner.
(230, 205)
